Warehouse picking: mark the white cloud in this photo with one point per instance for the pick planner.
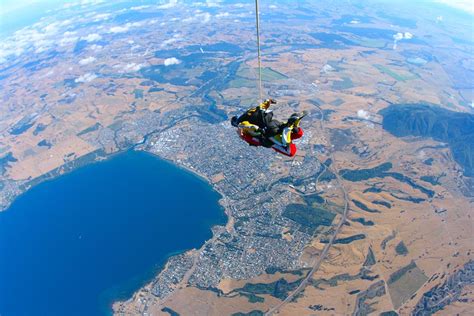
(206, 17)
(69, 33)
(48, 74)
(421, 154)
(119, 29)
(327, 68)
(82, 3)
(95, 47)
(88, 77)
(33, 39)
(465, 5)
(272, 6)
(171, 61)
(363, 114)
(132, 67)
(41, 49)
(124, 28)
(102, 17)
(244, 15)
(87, 61)
(93, 37)
(398, 36)
(51, 28)
(42, 45)
(140, 7)
(222, 15)
(168, 41)
(401, 36)
(208, 3)
(68, 40)
(170, 4)
(175, 38)
(212, 3)
(65, 23)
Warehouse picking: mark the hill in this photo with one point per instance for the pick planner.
(453, 128)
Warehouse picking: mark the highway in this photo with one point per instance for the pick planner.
(327, 247)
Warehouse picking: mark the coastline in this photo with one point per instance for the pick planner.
(116, 293)
(147, 287)
(88, 159)
(199, 175)
(109, 301)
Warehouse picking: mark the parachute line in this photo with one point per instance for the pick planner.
(258, 51)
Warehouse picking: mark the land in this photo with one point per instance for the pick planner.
(454, 128)
(349, 226)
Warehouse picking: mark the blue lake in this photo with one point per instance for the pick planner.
(72, 245)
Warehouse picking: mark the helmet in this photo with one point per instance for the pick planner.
(234, 121)
(266, 103)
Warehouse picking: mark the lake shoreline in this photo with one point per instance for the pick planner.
(229, 219)
(205, 224)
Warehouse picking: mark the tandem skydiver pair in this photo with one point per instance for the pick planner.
(258, 128)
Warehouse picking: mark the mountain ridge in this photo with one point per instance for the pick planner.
(453, 128)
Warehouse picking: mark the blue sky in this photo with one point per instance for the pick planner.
(20, 13)
(15, 14)
(9, 6)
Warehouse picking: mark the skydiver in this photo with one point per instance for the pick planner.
(258, 122)
(289, 131)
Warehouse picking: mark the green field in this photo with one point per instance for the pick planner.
(365, 174)
(268, 74)
(350, 239)
(247, 77)
(252, 298)
(242, 82)
(92, 128)
(364, 207)
(252, 313)
(370, 259)
(434, 180)
(310, 218)
(138, 93)
(278, 289)
(393, 74)
(337, 102)
(404, 283)
(345, 83)
(372, 43)
(313, 199)
(401, 249)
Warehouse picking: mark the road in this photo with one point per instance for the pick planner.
(319, 260)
